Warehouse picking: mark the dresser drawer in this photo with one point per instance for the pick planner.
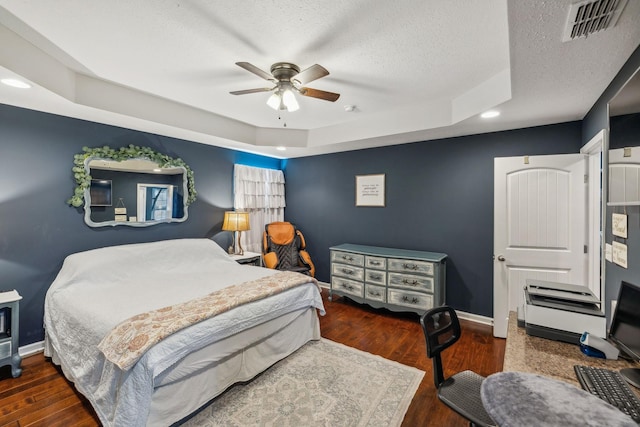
(375, 276)
(347, 286)
(409, 299)
(347, 258)
(411, 281)
(378, 263)
(5, 349)
(411, 266)
(348, 271)
(375, 293)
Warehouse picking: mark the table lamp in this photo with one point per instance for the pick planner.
(236, 222)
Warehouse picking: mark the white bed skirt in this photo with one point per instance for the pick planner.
(206, 373)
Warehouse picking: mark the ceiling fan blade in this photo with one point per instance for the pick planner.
(257, 71)
(246, 91)
(320, 94)
(310, 74)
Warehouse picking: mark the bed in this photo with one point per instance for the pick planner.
(102, 291)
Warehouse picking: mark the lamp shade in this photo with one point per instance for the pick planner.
(236, 221)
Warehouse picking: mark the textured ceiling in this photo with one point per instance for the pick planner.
(414, 70)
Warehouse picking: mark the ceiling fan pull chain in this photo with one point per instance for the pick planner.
(280, 118)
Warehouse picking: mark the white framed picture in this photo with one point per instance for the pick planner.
(370, 190)
(619, 254)
(619, 225)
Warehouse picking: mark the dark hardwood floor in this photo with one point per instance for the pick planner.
(43, 397)
(399, 337)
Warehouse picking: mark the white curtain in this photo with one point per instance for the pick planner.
(261, 193)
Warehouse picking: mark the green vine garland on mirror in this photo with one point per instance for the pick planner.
(83, 178)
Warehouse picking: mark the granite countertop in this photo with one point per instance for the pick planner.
(555, 359)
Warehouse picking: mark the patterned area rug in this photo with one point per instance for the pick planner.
(322, 384)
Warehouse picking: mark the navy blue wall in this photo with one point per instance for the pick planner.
(623, 132)
(38, 229)
(439, 198)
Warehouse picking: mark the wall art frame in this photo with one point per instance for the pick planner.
(370, 190)
(619, 225)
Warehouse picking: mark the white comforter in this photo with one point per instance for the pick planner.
(95, 290)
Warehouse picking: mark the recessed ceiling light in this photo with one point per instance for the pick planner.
(16, 83)
(490, 114)
(281, 148)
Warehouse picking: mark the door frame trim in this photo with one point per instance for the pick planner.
(597, 146)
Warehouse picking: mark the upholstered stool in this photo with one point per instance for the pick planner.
(523, 399)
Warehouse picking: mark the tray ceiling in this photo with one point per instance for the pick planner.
(412, 71)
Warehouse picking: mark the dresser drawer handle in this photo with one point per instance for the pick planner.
(413, 300)
(376, 276)
(410, 266)
(347, 287)
(375, 263)
(347, 258)
(410, 282)
(347, 271)
(374, 294)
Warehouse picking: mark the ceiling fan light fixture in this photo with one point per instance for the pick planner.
(289, 100)
(274, 100)
(288, 78)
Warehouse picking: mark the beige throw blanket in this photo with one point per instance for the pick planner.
(130, 339)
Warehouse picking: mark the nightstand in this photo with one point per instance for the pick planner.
(248, 258)
(9, 329)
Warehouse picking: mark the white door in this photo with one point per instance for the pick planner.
(155, 202)
(539, 227)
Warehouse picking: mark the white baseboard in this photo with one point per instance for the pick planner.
(31, 349)
(475, 318)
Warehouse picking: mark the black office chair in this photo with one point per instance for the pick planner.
(460, 392)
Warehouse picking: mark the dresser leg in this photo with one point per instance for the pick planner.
(16, 370)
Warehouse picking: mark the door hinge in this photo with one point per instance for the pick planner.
(586, 179)
(586, 249)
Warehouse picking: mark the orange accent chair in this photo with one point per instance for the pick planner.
(284, 248)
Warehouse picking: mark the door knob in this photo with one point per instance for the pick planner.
(501, 258)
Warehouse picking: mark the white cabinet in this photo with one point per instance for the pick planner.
(9, 331)
(397, 279)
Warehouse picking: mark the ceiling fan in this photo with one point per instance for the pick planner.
(288, 79)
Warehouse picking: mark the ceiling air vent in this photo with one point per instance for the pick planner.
(588, 17)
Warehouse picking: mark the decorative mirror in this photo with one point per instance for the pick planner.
(133, 186)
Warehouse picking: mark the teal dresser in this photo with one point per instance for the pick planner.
(396, 279)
